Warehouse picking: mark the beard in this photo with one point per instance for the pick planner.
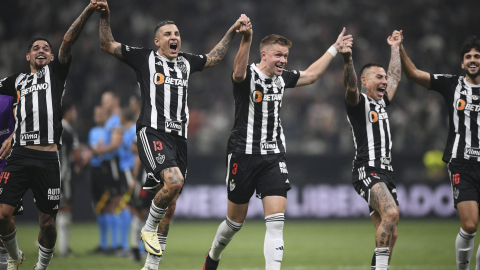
(473, 76)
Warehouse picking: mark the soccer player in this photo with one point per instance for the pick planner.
(256, 148)
(372, 170)
(33, 162)
(69, 154)
(162, 74)
(462, 154)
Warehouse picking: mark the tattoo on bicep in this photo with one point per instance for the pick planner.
(217, 53)
(118, 52)
(394, 68)
(349, 76)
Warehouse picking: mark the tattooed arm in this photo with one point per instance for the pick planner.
(107, 43)
(349, 76)
(315, 70)
(241, 60)
(216, 54)
(73, 33)
(394, 68)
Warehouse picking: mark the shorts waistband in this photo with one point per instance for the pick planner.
(35, 154)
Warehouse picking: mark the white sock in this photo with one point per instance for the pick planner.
(154, 218)
(44, 257)
(136, 227)
(464, 249)
(163, 244)
(273, 246)
(152, 261)
(10, 243)
(64, 220)
(381, 258)
(478, 259)
(3, 258)
(225, 233)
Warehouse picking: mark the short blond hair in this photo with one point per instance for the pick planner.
(275, 39)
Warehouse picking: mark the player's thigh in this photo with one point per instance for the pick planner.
(465, 181)
(273, 184)
(381, 200)
(237, 212)
(240, 178)
(274, 204)
(468, 212)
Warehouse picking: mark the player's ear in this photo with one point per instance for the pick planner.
(363, 79)
(28, 58)
(51, 57)
(157, 42)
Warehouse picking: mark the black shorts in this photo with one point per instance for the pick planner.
(158, 151)
(98, 181)
(116, 183)
(465, 181)
(32, 169)
(364, 178)
(267, 174)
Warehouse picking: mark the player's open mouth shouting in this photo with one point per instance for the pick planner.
(173, 47)
(381, 90)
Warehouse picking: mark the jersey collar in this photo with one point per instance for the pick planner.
(165, 59)
(261, 74)
(469, 84)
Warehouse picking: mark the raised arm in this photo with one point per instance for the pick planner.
(73, 33)
(349, 76)
(411, 72)
(107, 43)
(314, 71)
(6, 146)
(218, 52)
(394, 68)
(241, 60)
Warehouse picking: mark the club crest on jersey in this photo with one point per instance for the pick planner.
(30, 136)
(174, 125)
(374, 116)
(160, 158)
(1, 190)
(472, 152)
(182, 66)
(272, 145)
(41, 73)
(277, 82)
(231, 185)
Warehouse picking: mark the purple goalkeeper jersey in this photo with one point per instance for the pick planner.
(7, 121)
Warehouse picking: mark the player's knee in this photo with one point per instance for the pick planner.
(175, 183)
(470, 226)
(5, 218)
(391, 215)
(394, 235)
(48, 229)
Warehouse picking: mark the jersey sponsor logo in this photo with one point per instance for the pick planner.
(465, 93)
(53, 194)
(268, 145)
(463, 105)
(374, 116)
(33, 88)
(472, 152)
(30, 136)
(272, 97)
(5, 131)
(257, 96)
(159, 78)
(175, 125)
(283, 167)
(385, 160)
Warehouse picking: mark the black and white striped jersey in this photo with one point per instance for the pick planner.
(371, 133)
(463, 103)
(69, 143)
(38, 117)
(163, 84)
(258, 100)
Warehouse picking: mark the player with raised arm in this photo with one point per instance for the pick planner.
(33, 162)
(372, 169)
(256, 147)
(162, 127)
(462, 152)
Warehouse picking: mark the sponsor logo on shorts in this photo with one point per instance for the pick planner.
(268, 145)
(456, 192)
(56, 207)
(394, 190)
(53, 194)
(232, 185)
(30, 136)
(472, 152)
(160, 158)
(283, 167)
(175, 125)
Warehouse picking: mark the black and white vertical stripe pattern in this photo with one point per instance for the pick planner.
(372, 138)
(38, 115)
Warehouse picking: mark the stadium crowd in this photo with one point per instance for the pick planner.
(313, 117)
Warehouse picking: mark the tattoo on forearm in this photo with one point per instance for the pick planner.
(72, 35)
(394, 68)
(349, 76)
(216, 54)
(48, 232)
(106, 35)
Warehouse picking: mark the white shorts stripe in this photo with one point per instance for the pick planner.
(146, 148)
(228, 168)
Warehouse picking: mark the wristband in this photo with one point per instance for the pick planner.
(332, 51)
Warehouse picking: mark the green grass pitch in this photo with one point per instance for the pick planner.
(309, 245)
